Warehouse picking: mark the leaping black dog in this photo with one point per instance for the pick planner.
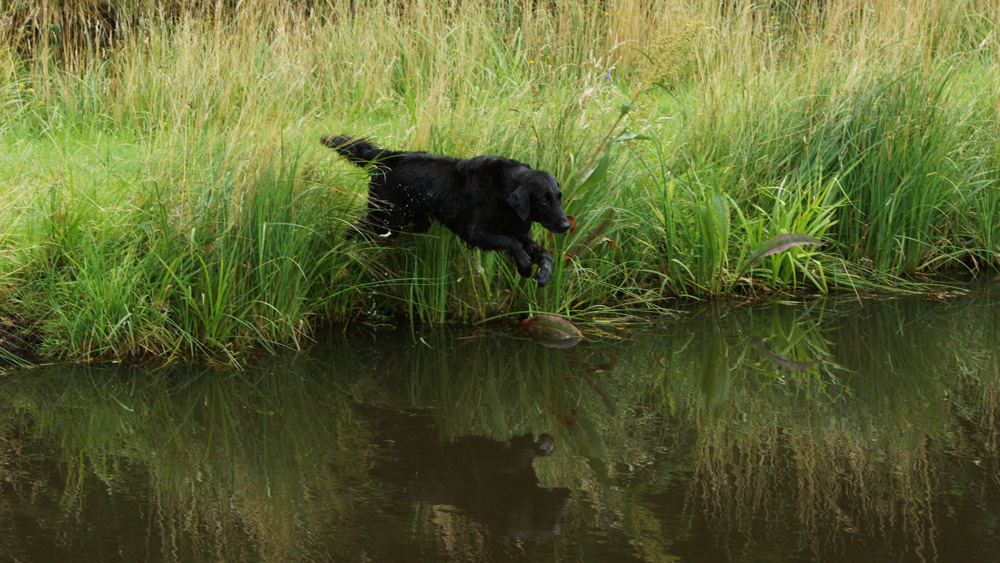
(488, 201)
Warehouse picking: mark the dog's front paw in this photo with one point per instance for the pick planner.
(544, 273)
(524, 267)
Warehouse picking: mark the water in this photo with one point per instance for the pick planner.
(830, 431)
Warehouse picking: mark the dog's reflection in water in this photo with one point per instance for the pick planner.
(490, 481)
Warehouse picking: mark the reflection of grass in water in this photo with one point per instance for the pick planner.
(227, 459)
(500, 387)
(863, 440)
(477, 382)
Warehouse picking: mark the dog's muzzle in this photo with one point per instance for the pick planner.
(561, 227)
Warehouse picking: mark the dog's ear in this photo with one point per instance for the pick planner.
(518, 200)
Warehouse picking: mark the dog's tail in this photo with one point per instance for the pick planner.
(360, 152)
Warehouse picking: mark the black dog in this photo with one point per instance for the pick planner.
(488, 201)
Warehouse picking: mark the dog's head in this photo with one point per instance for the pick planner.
(537, 198)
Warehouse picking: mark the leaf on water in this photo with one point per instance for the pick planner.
(779, 244)
(551, 332)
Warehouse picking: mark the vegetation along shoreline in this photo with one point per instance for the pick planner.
(162, 193)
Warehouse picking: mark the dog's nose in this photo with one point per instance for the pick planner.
(563, 226)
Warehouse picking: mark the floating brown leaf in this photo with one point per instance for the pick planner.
(552, 332)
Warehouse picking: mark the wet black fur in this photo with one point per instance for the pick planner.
(488, 201)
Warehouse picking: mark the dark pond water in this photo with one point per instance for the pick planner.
(832, 431)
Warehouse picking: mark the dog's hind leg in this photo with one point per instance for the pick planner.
(370, 229)
(421, 223)
(381, 220)
(375, 224)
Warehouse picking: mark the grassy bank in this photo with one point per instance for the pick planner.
(162, 190)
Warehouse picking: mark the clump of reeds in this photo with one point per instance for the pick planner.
(671, 55)
(163, 191)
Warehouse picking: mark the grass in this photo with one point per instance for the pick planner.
(162, 191)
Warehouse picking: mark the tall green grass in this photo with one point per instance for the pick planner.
(163, 192)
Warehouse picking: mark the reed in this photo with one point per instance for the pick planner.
(163, 192)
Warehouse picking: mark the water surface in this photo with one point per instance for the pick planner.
(821, 430)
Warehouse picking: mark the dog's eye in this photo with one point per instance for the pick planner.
(545, 200)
